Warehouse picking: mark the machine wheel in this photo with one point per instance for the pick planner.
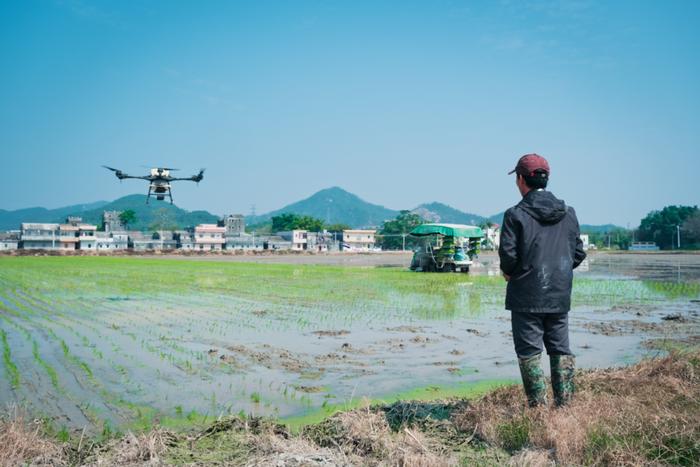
(448, 267)
(429, 267)
(465, 269)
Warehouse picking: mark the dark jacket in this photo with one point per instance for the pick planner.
(540, 247)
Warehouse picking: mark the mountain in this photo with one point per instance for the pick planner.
(333, 206)
(11, 220)
(496, 218)
(151, 216)
(439, 212)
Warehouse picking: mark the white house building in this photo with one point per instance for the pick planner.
(209, 237)
(359, 240)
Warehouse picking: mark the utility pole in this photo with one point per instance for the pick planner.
(678, 231)
(403, 238)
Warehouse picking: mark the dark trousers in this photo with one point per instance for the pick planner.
(531, 330)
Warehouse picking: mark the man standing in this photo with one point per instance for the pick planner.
(540, 247)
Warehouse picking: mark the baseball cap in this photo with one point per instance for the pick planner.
(529, 163)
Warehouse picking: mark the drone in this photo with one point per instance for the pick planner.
(159, 179)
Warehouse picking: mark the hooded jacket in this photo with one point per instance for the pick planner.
(540, 247)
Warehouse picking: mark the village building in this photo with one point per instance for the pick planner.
(39, 236)
(184, 239)
(152, 242)
(244, 241)
(209, 237)
(275, 242)
(111, 241)
(297, 238)
(9, 240)
(112, 222)
(234, 224)
(359, 240)
(69, 236)
(492, 237)
(87, 235)
(321, 241)
(585, 240)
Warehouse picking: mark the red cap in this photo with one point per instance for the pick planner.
(529, 163)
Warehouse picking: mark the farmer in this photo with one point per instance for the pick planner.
(540, 247)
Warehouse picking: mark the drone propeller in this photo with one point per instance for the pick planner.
(111, 168)
(198, 178)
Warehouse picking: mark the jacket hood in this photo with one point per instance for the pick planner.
(543, 206)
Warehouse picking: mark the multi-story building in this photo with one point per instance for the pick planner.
(111, 241)
(69, 236)
(39, 236)
(87, 236)
(209, 237)
(112, 222)
(234, 223)
(185, 240)
(359, 240)
(155, 242)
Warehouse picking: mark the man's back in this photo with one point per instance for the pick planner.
(540, 247)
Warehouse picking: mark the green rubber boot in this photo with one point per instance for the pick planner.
(562, 378)
(533, 380)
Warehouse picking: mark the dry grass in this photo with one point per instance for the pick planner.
(365, 438)
(644, 414)
(145, 449)
(24, 442)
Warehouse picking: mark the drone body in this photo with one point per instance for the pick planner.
(159, 181)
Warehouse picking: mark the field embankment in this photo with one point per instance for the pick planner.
(645, 414)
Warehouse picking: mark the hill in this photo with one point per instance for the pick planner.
(151, 216)
(439, 212)
(333, 206)
(11, 220)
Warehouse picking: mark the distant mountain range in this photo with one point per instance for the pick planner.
(148, 216)
(332, 205)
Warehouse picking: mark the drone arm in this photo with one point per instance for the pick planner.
(122, 176)
(194, 178)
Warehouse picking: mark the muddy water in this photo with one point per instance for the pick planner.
(196, 352)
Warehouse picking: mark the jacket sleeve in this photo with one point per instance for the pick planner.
(579, 254)
(508, 247)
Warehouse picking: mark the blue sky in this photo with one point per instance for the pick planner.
(399, 102)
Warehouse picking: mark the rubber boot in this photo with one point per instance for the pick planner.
(562, 378)
(533, 380)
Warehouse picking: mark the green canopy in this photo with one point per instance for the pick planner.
(448, 230)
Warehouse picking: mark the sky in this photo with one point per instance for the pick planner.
(398, 102)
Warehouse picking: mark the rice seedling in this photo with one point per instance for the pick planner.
(10, 366)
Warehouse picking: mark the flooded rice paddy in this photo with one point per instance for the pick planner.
(110, 343)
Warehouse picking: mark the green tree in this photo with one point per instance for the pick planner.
(337, 228)
(289, 221)
(661, 226)
(393, 232)
(127, 217)
(690, 232)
